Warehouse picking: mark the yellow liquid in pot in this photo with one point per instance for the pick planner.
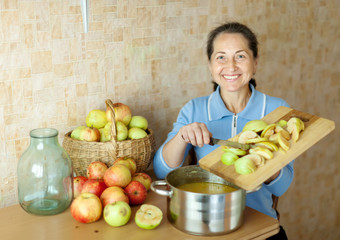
(206, 187)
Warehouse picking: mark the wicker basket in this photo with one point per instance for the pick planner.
(82, 153)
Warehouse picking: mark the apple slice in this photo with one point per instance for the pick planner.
(284, 144)
(148, 216)
(262, 151)
(270, 145)
(257, 159)
(257, 140)
(269, 130)
(285, 134)
(255, 125)
(228, 158)
(237, 151)
(244, 136)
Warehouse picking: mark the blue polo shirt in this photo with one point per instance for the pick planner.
(224, 124)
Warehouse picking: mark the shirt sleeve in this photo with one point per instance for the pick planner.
(281, 184)
(160, 167)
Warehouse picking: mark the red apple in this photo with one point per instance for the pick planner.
(122, 113)
(90, 134)
(96, 170)
(78, 183)
(113, 194)
(86, 208)
(117, 175)
(95, 186)
(143, 178)
(136, 192)
(128, 162)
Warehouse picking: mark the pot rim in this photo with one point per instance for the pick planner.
(211, 181)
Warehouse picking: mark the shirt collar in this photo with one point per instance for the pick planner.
(218, 110)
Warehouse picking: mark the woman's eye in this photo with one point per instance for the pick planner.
(220, 57)
(240, 57)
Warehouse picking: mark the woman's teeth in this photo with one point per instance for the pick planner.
(230, 77)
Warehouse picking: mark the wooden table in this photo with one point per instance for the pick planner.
(16, 224)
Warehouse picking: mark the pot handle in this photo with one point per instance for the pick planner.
(255, 189)
(161, 191)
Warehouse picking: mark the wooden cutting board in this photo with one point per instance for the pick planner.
(316, 128)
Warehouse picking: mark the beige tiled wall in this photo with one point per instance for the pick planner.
(150, 55)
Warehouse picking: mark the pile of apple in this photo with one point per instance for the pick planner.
(264, 139)
(99, 122)
(111, 191)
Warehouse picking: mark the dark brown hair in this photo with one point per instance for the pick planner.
(233, 27)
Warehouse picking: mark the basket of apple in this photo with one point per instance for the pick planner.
(108, 135)
(110, 192)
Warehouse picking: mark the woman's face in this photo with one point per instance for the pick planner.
(232, 64)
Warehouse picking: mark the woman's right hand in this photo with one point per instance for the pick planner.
(197, 134)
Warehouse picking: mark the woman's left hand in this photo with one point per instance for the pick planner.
(269, 180)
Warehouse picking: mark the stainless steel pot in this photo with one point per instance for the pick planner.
(197, 213)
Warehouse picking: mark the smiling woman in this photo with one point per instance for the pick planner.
(232, 51)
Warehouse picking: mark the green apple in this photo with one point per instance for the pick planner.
(136, 133)
(148, 216)
(138, 122)
(96, 118)
(75, 134)
(122, 131)
(117, 214)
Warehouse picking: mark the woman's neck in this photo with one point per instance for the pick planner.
(236, 101)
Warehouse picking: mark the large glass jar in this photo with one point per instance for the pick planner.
(45, 175)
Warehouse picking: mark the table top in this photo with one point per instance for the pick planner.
(16, 224)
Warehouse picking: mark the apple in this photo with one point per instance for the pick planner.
(138, 122)
(96, 118)
(75, 134)
(122, 113)
(143, 178)
(96, 170)
(117, 214)
(148, 216)
(128, 162)
(117, 175)
(122, 131)
(136, 192)
(105, 132)
(113, 194)
(136, 133)
(95, 186)
(86, 208)
(90, 134)
(78, 183)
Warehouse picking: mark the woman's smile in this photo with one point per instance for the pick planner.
(232, 64)
(230, 77)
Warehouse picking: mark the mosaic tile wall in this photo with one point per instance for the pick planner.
(150, 55)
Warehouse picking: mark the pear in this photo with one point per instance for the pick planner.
(96, 118)
(105, 132)
(122, 131)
